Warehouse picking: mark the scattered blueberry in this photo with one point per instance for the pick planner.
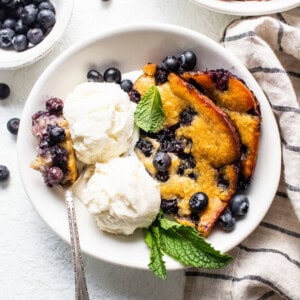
(4, 173)
(198, 202)
(53, 176)
(169, 206)
(239, 205)
(56, 134)
(35, 36)
(6, 37)
(9, 23)
(112, 75)
(55, 106)
(161, 75)
(145, 146)
(13, 125)
(94, 76)
(126, 85)
(20, 27)
(29, 14)
(20, 43)
(187, 60)
(162, 161)
(171, 63)
(4, 91)
(227, 221)
(134, 96)
(47, 5)
(46, 18)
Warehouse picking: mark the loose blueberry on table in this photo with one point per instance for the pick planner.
(24, 24)
(4, 173)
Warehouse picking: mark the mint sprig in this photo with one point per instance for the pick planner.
(149, 114)
(183, 243)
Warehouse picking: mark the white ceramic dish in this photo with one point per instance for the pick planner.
(248, 8)
(129, 48)
(11, 59)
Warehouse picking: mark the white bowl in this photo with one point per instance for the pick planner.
(10, 59)
(248, 8)
(130, 48)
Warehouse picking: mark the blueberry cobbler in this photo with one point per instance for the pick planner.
(55, 155)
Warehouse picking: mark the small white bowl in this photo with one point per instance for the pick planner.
(129, 48)
(10, 59)
(248, 8)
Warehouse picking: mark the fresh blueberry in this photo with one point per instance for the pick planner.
(134, 96)
(188, 60)
(162, 161)
(53, 176)
(35, 36)
(20, 27)
(239, 205)
(47, 5)
(13, 125)
(6, 37)
(171, 63)
(4, 91)
(46, 18)
(55, 106)
(169, 206)
(94, 76)
(126, 85)
(56, 134)
(29, 14)
(112, 75)
(20, 42)
(8, 3)
(9, 23)
(198, 202)
(145, 146)
(227, 221)
(4, 173)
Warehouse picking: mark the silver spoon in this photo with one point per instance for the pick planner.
(81, 292)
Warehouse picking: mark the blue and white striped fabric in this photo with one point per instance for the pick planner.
(267, 264)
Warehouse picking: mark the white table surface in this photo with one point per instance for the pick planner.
(35, 263)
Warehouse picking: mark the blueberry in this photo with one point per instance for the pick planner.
(126, 85)
(56, 134)
(8, 3)
(9, 23)
(4, 173)
(162, 161)
(94, 76)
(171, 63)
(6, 37)
(169, 206)
(29, 14)
(53, 176)
(187, 116)
(221, 78)
(35, 36)
(198, 202)
(227, 221)
(161, 76)
(112, 75)
(239, 205)
(162, 176)
(20, 42)
(13, 125)
(55, 106)
(187, 60)
(134, 96)
(47, 5)
(20, 27)
(59, 157)
(37, 2)
(4, 91)
(46, 18)
(145, 146)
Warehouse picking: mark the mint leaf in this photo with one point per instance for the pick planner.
(152, 239)
(185, 245)
(149, 114)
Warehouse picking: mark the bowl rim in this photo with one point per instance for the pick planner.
(169, 28)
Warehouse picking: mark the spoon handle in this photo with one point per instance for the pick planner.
(81, 292)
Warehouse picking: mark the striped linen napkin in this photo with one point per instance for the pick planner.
(266, 264)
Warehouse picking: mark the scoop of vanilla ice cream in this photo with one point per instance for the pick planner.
(101, 121)
(121, 195)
